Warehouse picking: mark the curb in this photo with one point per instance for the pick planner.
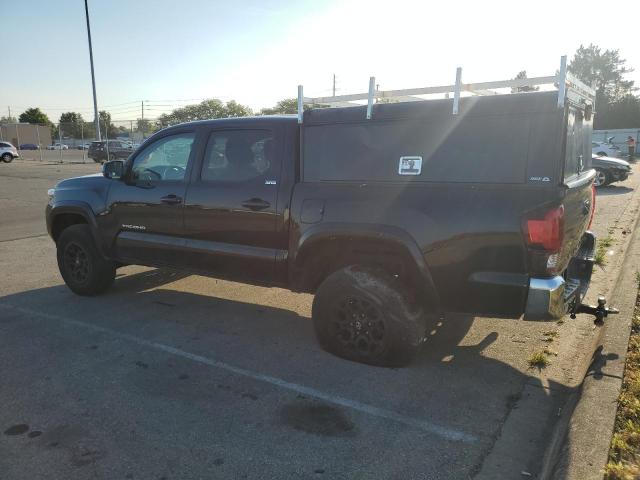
(579, 447)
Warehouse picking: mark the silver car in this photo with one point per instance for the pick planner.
(8, 152)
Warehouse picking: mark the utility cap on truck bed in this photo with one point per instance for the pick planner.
(569, 90)
(507, 139)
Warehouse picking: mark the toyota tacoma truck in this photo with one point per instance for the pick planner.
(388, 212)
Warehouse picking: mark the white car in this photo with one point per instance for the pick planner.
(58, 146)
(8, 152)
(606, 149)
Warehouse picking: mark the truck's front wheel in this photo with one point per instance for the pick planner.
(362, 314)
(82, 267)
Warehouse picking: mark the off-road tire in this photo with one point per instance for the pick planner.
(7, 158)
(362, 314)
(85, 271)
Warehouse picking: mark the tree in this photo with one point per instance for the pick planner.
(283, 107)
(616, 105)
(107, 128)
(604, 70)
(4, 120)
(34, 115)
(212, 108)
(522, 75)
(72, 124)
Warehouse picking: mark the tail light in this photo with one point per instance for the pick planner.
(545, 231)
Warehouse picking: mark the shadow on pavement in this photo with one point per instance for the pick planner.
(612, 190)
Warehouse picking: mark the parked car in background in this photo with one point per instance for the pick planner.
(83, 147)
(29, 146)
(58, 146)
(101, 151)
(606, 149)
(609, 170)
(8, 152)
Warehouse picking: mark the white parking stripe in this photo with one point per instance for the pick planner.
(444, 432)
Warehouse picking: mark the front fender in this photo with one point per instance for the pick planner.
(75, 207)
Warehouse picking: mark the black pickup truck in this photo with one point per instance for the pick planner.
(388, 220)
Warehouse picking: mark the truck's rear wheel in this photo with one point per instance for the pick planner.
(82, 267)
(362, 314)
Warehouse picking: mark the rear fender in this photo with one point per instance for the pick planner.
(321, 233)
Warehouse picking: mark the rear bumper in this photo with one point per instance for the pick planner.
(551, 298)
(545, 299)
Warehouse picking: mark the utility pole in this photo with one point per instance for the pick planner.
(334, 84)
(93, 76)
(9, 113)
(142, 113)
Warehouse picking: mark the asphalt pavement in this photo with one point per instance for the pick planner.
(174, 376)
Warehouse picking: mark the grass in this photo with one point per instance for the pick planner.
(624, 453)
(601, 251)
(550, 335)
(539, 360)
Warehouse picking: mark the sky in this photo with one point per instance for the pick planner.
(171, 53)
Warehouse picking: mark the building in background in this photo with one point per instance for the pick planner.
(21, 133)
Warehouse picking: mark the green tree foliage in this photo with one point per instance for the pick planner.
(616, 104)
(4, 120)
(283, 107)
(603, 70)
(208, 109)
(72, 125)
(34, 115)
(287, 106)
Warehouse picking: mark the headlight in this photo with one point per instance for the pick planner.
(51, 193)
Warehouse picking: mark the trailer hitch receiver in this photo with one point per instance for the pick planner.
(601, 311)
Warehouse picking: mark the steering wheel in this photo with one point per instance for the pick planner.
(151, 174)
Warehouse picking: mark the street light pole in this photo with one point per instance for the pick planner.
(93, 75)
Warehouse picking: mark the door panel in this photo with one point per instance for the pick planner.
(147, 208)
(230, 207)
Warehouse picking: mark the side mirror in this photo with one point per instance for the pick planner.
(113, 169)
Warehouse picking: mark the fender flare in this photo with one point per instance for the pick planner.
(330, 230)
(79, 208)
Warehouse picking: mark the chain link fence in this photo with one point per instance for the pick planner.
(70, 142)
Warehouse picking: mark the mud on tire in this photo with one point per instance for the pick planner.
(82, 267)
(362, 314)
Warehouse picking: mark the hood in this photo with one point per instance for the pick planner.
(609, 161)
(95, 180)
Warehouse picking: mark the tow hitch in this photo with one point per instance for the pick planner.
(600, 311)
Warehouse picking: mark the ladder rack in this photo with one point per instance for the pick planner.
(569, 88)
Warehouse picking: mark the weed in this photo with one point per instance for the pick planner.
(601, 251)
(624, 453)
(539, 360)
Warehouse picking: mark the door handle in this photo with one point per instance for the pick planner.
(171, 199)
(256, 204)
(586, 207)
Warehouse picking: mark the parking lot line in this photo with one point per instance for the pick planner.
(426, 426)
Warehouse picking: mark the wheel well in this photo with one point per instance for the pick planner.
(327, 256)
(64, 220)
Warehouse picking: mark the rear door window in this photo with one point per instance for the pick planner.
(577, 152)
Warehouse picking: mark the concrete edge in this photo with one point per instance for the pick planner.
(567, 452)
